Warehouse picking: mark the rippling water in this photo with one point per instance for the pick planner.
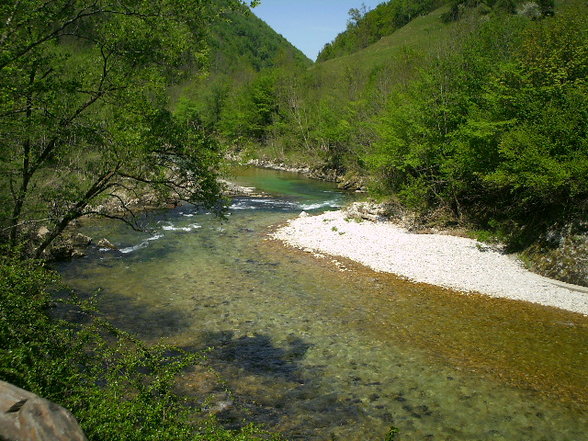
(321, 354)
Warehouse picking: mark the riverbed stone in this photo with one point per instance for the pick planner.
(25, 416)
(105, 243)
(366, 211)
(42, 232)
(80, 240)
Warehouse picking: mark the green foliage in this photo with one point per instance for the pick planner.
(241, 47)
(392, 435)
(496, 131)
(118, 388)
(240, 41)
(544, 156)
(547, 7)
(252, 110)
(83, 110)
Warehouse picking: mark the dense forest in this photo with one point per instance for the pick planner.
(240, 46)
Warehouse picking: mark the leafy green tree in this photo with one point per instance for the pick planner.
(544, 95)
(253, 109)
(83, 117)
(497, 130)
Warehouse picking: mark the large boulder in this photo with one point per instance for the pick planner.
(26, 417)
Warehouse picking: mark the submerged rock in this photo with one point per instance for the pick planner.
(79, 240)
(68, 246)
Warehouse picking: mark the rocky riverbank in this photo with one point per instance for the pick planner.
(349, 182)
(453, 262)
(73, 244)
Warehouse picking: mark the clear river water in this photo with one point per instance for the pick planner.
(317, 353)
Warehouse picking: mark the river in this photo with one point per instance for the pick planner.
(321, 354)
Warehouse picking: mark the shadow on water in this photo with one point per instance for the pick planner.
(272, 386)
(268, 380)
(257, 355)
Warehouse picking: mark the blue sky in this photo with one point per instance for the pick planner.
(309, 24)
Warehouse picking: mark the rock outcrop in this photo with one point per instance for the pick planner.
(70, 244)
(25, 416)
(562, 253)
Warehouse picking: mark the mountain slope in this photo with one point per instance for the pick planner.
(241, 46)
(243, 41)
(367, 27)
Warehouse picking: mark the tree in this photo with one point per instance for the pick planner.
(83, 87)
(252, 110)
(543, 154)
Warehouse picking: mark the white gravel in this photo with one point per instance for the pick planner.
(452, 262)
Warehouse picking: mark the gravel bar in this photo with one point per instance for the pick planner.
(453, 262)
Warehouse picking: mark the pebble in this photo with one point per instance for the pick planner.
(452, 262)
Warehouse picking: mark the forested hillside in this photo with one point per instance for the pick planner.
(241, 41)
(240, 46)
(476, 110)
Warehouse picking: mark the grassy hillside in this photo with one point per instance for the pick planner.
(424, 36)
(367, 27)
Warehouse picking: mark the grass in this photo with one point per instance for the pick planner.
(423, 36)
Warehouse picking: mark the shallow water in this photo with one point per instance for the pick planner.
(321, 354)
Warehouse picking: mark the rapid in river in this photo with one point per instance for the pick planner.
(322, 349)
